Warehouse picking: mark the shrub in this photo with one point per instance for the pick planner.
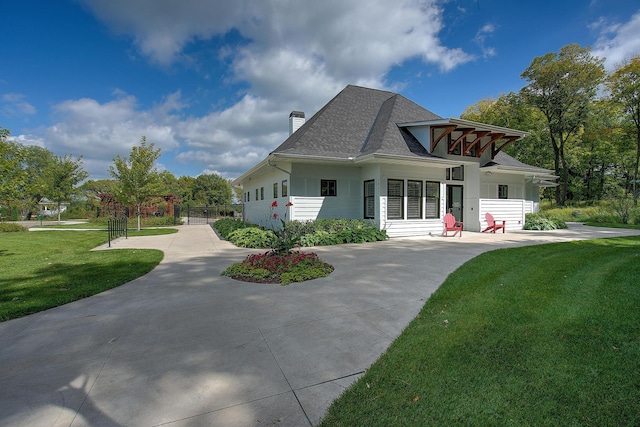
(536, 221)
(225, 226)
(9, 227)
(322, 232)
(251, 237)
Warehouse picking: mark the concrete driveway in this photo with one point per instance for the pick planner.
(184, 346)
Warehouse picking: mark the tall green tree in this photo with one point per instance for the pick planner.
(562, 86)
(137, 175)
(36, 163)
(186, 185)
(211, 189)
(624, 88)
(595, 157)
(63, 175)
(12, 174)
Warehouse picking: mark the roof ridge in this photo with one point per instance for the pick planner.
(376, 121)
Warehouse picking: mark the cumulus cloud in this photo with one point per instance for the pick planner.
(290, 55)
(617, 42)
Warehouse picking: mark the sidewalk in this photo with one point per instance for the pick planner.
(184, 346)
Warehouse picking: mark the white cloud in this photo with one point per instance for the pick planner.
(14, 105)
(481, 38)
(292, 55)
(617, 42)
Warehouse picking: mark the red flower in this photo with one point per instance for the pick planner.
(274, 204)
(275, 215)
(289, 204)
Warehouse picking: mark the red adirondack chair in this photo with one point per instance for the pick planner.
(450, 224)
(493, 225)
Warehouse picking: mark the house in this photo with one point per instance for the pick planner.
(376, 155)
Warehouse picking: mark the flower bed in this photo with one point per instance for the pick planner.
(271, 267)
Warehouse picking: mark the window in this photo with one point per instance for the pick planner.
(432, 208)
(261, 193)
(275, 190)
(503, 191)
(455, 174)
(285, 188)
(257, 195)
(458, 150)
(395, 199)
(328, 187)
(369, 199)
(248, 197)
(414, 199)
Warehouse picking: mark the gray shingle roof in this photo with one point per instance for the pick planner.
(359, 121)
(503, 159)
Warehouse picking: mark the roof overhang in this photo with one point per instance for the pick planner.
(271, 162)
(484, 136)
(535, 173)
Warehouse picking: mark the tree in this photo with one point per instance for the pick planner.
(624, 88)
(211, 189)
(562, 86)
(63, 176)
(36, 162)
(186, 185)
(12, 176)
(137, 175)
(595, 154)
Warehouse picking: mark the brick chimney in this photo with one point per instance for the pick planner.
(296, 119)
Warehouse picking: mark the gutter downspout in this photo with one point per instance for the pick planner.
(280, 169)
(277, 167)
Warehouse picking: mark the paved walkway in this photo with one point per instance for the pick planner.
(184, 346)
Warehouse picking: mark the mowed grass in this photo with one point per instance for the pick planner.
(536, 336)
(45, 269)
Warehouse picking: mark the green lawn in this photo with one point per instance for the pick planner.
(44, 269)
(537, 336)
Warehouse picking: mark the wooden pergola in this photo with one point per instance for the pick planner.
(468, 138)
(109, 204)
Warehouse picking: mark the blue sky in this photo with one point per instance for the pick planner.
(212, 82)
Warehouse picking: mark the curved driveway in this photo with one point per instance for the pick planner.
(184, 346)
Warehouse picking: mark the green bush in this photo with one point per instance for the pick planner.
(322, 232)
(251, 237)
(537, 221)
(225, 226)
(9, 227)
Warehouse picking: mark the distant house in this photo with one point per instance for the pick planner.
(376, 155)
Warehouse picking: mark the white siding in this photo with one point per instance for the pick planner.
(510, 210)
(406, 228)
(306, 208)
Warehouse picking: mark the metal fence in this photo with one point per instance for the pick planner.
(116, 227)
(208, 214)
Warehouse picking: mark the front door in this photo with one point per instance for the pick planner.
(454, 201)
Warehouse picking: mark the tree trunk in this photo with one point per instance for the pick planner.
(635, 170)
(565, 176)
(556, 164)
